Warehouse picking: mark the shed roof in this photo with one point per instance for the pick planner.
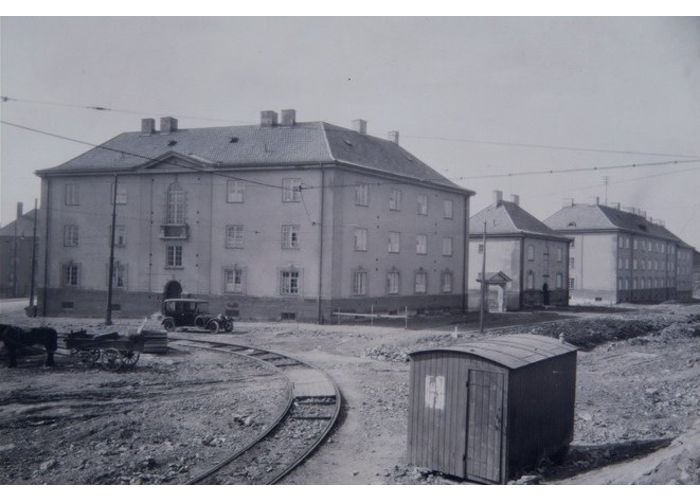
(511, 351)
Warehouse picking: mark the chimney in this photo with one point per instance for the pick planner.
(168, 124)
(393, 136)
(20, 209)
(360, 126)
(568, 202)
(268, 118)
(597, 200)
(497, 197)
(288, 117)
(515, 199)
(148, 126)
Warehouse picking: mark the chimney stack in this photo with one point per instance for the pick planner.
(568, 202)
(497, 197)
(393, 136)
(168, 124)
(360, 126)
(597, 200)
(148, 126)
(288, 117)
(515, 199)
(20, 209)
(268, 118)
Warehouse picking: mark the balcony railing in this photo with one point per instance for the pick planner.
(174, 231)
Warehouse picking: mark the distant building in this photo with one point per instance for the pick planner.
(16, 244)
(521, 248)
(620, 255)
(279, 219)
(696, 274)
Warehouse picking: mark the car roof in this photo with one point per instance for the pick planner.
(200, 301)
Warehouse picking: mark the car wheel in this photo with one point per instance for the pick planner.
(213, 326)
(169, 325)
(229, 326)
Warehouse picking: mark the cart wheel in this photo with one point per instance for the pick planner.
(200, 321)
(111, 359)
(88, 359)
(169, 325)
(213, 326)
(229, 327)
(130, 358)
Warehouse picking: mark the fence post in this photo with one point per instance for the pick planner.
(405, 313)
(339, 315)
(371, 315)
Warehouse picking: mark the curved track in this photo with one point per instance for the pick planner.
(312, 409)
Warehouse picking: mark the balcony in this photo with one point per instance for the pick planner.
(174, 232)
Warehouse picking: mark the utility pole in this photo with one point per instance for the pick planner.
(31, 285)
(108, 313)
(605, 181)
(482, 308)
(14, 252)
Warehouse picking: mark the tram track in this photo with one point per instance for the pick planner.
(311, 411)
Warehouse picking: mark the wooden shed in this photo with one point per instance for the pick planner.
(486, 410)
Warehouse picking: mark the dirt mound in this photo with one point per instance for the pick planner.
(388, 353)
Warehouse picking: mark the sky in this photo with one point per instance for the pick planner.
(452, 87)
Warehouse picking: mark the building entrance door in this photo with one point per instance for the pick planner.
(172, 290)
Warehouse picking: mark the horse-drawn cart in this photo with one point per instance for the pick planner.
(110, 351)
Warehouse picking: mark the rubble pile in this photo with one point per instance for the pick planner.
(388, 353)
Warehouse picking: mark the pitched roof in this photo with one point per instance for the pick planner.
(603, 217)
(506, 217)
(25, 226)
(254, 145)
(511, 351)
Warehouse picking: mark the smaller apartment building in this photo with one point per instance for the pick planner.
(622, 256)
(524, 249)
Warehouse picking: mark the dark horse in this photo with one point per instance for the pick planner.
(15, 338)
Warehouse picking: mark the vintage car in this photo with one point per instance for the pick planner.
(193, 312)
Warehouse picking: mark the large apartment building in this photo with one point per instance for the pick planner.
(520, 248)
(621, 255)
(276, 220)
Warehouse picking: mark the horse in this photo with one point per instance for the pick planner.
(15, 338)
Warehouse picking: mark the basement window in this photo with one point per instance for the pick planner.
(233, 140)
(172, 142)
(66, 305)
(288, 316)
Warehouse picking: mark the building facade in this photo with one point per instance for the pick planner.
(277, 220)
(622, 256)
(524, 249)
(17, 246)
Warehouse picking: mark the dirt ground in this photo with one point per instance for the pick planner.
(638, 395)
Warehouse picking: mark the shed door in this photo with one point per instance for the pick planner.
(484, 426)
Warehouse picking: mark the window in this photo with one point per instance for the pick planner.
(119, 235)
(620, 242)
(481, 248)
(634, 264)
(291, 190)
(362, 195)
(620, 262)
(71, 274)
(72, 194)
(530, 252)
(233, 280)
(571, 283)
(627, 283)
(446, 282)
(118, 274)
(571, 262)
(290, 236)
(447, 246)
(394, 242)
(234, 236)
(70, 235)
(289, 282)
(121, 193)
(560, 281)
(359, 283)
(422, 204)
(392, 282)
(173, 256)
(619, 283)
(421, 244)
(560, 255)
(447, 209)
(627, 263)
(530, 283)
(234, 192)
(395, 200)
(635, 284)
(421, 282)
(636, 247)
(360, 239)
(175, 210)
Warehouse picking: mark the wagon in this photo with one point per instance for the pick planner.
(110, 351)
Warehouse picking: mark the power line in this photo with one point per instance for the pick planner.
(420, 137)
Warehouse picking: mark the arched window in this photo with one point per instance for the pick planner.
(530, 284)
(175, 208)
(530, 252)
